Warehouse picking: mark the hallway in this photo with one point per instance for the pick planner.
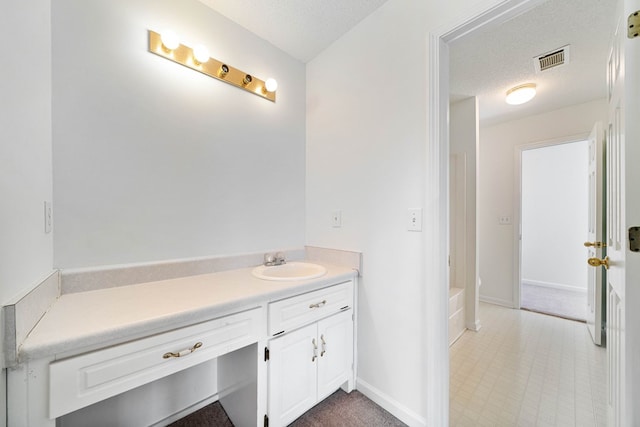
(527, 369)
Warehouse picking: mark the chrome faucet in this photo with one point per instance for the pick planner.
(274, 259)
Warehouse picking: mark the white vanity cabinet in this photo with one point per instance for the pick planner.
(82, 380)
(309, 363)
(218, 323)
(45, 389)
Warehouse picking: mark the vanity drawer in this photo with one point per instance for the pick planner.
(290, 313)
(82, 380)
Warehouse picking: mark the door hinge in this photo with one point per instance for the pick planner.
(266, 354)
(266, 420)
(633, 25)
(634, 238)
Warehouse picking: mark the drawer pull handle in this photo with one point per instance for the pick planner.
(324, 346)
(315, 350)
(183, 352)
(318, 304)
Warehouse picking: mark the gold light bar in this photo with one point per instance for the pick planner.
(184, 55)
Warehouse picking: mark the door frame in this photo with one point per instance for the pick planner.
(517, 204)
(436, 235)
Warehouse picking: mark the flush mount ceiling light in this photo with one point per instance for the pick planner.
(168, 46)
(521, 94)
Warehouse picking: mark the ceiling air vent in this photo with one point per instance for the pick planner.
(555, 58)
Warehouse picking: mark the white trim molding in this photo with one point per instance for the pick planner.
(551, 285)
(498, 301)
(436, 237)
(390, 405)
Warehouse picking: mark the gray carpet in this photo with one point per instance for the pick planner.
(338, 410)
(557, 302)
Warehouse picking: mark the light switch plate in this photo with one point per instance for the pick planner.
(336, 219)
(48, 217)
(414, 219)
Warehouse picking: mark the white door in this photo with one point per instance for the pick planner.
(292, 375)
(623, 213)
(595, 236)
(335, 335)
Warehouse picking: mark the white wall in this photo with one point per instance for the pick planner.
(464, 138)
(25, 153)
(555, 204)
(498, 185)
(153, 160)
(366, 137)
(365, 151)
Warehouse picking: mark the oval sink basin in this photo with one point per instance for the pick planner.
(289, 271)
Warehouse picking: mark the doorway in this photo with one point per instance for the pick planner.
(437, 183)
(554, 222)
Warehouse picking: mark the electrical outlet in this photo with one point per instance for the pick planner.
(336, 218)
(504, 220)
(48, 217)
(414, 219)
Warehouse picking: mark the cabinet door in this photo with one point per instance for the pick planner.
(335, 364)
(292, 374)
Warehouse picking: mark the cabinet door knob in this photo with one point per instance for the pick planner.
(315, 350)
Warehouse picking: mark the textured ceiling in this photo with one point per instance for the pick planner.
(485, 63)
(302, 28)
(488, 63)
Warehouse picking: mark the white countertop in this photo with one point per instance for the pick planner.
(85, 321)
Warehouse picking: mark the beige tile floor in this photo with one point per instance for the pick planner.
(527, 369)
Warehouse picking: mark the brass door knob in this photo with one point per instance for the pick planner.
(597, 262)
(595, 244)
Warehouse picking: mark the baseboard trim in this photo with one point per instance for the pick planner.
(553, 285)
(474, 326)
(186, 411)
(394, 407)
(496, 301)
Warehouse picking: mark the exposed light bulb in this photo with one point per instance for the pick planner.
(271, 85)
(201, 54)
(169, 39)
(521, 94)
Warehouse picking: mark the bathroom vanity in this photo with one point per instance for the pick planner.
(280, 346)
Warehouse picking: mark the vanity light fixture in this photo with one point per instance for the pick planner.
(521, 94)
(197, 58)
(270, 85)
(169, 40)
(200, 54)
